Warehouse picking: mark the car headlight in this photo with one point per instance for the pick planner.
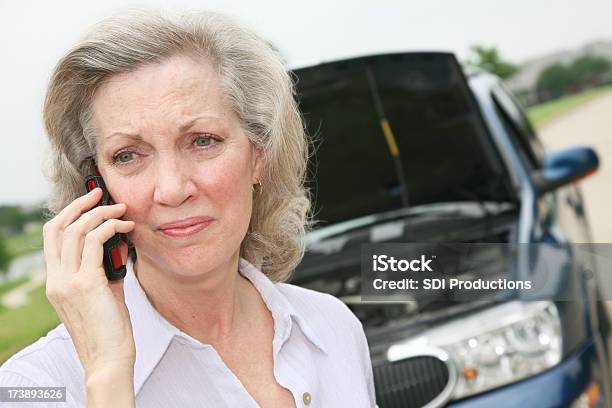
(496, 346)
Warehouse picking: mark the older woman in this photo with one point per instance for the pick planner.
(193, 126)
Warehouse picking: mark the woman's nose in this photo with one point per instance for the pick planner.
(173, 182)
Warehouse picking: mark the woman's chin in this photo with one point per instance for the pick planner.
(189, 260)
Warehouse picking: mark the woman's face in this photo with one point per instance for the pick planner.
(173, 152)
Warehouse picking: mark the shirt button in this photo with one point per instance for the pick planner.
(306, 398)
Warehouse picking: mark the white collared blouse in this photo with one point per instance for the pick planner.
(320, 354)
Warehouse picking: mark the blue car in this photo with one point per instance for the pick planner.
(407, 147)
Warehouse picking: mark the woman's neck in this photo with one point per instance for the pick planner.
(208, 307)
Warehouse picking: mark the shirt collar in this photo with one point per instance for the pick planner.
(278, 303)
(153, 333)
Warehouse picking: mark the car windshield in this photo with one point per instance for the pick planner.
(442, 148)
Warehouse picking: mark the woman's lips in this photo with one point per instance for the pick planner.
(186, 227)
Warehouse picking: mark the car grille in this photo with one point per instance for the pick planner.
(410, 383)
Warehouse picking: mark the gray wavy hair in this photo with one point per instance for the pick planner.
(257, 87)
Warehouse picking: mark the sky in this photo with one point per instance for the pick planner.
(35, 34)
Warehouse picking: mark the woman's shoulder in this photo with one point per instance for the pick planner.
(49, 361)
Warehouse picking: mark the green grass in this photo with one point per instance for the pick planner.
(545, 112)
(24, 325)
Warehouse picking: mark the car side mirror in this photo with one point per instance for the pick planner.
(565, 166)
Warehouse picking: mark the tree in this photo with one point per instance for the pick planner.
(489, 59)
(11, 218)
(588, 69)
(553, 81)
(557, 79)
(5, 258)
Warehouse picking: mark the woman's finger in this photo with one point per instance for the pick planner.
(53, 229)
(93, 249)
(80, 205)
(74, 234)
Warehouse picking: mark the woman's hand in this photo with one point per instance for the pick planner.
(91, 307)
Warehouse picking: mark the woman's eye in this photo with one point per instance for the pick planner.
(203, 141)
(124, 157)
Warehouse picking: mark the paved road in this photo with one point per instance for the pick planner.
(24, 265)
(590, 124)
(32, 265)
(19, 296)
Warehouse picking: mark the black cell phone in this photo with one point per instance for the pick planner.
(113, 264)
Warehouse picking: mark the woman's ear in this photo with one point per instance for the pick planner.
(256, 164)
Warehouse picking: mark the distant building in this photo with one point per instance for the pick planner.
(523, 84)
